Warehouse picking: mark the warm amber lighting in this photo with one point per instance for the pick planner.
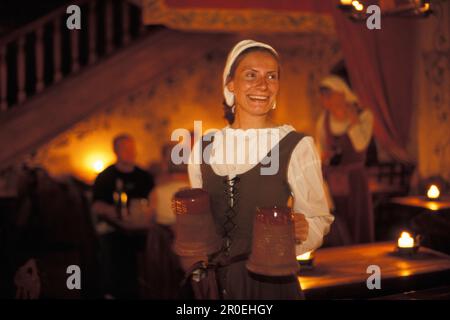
(92, 161)
(98, 166)
(433, 206)
(358, 6)
(405, 240)
(304, 257)
(433, 192)
(346, 2)
(123, 198)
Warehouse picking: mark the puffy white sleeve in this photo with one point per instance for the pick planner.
(361, 132)
(307, 187)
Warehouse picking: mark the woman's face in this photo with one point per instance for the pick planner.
(333, 101)
(255, 83)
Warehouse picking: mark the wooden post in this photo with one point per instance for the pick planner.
(21, 95)
(74, 49)
(57, 50)
(92, 33)
(109, 28)
(3, 79)
(39, 59)
(126, 22)
(141, 22)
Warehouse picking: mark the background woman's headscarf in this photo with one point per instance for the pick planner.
(337, 84)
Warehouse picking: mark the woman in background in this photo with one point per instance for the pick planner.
(344, 131)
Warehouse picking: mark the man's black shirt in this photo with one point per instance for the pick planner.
(136, 184)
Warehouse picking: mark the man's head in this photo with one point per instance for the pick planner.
(125, 149)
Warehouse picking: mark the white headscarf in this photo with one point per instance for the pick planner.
(234, 53)
(337, 84)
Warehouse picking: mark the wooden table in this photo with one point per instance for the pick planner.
(340, 272)
(423, 202)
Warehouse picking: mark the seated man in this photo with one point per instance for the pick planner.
(109, 203)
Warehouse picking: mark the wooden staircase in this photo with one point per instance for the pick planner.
(94, 69)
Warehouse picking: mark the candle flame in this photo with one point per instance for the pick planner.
(433, 192)
(405, 240)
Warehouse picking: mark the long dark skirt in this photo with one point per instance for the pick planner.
(237, 283)
(354, 221)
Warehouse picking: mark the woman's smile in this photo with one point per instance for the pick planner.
(258, 98)
(258, 101)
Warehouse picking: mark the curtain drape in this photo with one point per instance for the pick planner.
(380, 64)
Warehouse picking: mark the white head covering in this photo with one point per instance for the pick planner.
(336, 83)
(234, 53)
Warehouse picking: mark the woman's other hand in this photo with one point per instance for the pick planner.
(301, 227)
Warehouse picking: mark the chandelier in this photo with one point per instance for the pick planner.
(356, 9)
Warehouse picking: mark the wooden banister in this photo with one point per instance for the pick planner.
(92, 25)
(38, 30)
(57, 50)
(21, 69)
(3, 104)
(39, 60)
(34, 25)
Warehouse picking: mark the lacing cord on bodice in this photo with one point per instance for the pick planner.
(232, 196)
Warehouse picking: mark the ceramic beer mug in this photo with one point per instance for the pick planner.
(273, 246)
(195, 232)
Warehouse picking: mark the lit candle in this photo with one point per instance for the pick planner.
(305, 260)
(405, 240)
(304, 257)
(433, 192)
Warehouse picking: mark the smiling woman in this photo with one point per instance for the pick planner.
(237, 189)
(255, 85)
(251, 82)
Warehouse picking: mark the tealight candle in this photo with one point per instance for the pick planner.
(433, 192)
(405, 240)
(306, 260)
(407, 244)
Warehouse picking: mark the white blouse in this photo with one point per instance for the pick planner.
(304, 175)
(360, 133)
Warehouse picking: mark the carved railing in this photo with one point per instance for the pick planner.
(42, 53)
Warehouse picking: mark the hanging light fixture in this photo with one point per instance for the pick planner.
(356, 9)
